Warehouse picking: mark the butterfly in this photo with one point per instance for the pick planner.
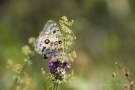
(49, 43)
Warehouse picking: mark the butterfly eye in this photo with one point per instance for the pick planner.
(45, 57)
(60, 42)
(47, 41)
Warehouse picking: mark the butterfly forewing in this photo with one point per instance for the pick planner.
(51, 28)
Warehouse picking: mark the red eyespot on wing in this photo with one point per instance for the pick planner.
(43, 49)
(46, 41)
(60, 49)
(56, 42)
(60, 42)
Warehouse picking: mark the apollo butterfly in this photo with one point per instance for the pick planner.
(49, 43)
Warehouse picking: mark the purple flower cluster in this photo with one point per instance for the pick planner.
(58, 68)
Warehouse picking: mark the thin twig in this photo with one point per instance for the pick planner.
(127, 75)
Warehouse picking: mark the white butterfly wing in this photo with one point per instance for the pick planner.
(51, 28)
(45, 42)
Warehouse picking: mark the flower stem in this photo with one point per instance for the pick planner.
(55, 86)
(14, 84)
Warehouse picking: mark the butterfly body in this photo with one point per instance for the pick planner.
(48, 43)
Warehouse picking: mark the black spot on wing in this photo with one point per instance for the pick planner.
(54, 31)
(60, 42)
(43, 49)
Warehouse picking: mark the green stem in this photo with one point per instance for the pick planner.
(15, 82)
(55, 86)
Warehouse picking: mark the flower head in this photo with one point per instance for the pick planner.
(26, 50)
(9, 63)
(66, 64)
(32, 40)
(58, 69)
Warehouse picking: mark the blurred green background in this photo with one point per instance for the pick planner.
(105, 31)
